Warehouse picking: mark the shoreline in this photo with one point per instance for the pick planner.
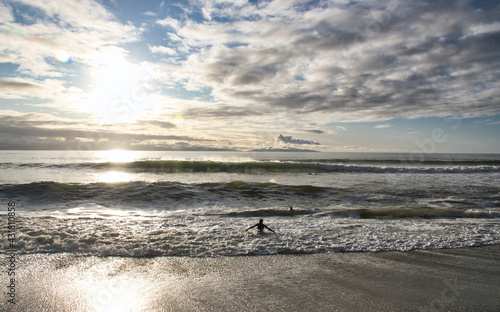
(418, 280)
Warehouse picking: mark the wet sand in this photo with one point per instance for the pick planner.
(440, 280)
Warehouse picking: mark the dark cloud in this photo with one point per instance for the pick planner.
(92, 135)
(32, 131)
(17, 84)
(289, 140)
(156, 123)
(33, 120)
(315, 131)
(419, 58)
(224, 111)
(241, 66)
(303, 66)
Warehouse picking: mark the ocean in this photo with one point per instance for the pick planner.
(199, 204)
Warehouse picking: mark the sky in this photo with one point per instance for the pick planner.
(351, 76)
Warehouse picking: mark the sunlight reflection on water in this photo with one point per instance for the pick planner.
(114, 177)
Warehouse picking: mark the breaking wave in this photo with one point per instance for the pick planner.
(265, 167)
(163, 195)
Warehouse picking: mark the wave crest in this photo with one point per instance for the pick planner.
(266, 167)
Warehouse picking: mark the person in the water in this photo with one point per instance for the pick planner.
(260, 226)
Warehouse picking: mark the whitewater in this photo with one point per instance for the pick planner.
(198, 204)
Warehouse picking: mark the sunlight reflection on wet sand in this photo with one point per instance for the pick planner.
(388, 281)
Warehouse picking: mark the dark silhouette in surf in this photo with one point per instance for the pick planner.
(260, 226)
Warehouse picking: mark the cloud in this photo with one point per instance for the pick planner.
(162, 50)
(42, 90)
(156, 123)
(77, 27)
(39, 31)
(250, 68)
(341, 128)
(36, 130)
(168, 21)
(82, 139)
(5, 13)
(382, 126)
(289, 140)
(365, 61)
(315, 131)
(17, 85)
(223, 111)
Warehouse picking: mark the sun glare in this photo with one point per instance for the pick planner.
(120, 89)
(111, 293)
(62, 56)
(115, 156)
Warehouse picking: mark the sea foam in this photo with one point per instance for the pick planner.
(202, 236)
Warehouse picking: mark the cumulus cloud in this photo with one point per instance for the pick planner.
(168, 21)
(162, 49)
(246, 70)
(77, 27)
(365, 61)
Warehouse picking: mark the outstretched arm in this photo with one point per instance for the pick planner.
(268, 228)
(251, 227)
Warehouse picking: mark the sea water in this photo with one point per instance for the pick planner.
(127, 203)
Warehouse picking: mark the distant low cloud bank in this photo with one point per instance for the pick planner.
(290, 140)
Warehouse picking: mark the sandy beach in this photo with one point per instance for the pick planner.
(439, 280)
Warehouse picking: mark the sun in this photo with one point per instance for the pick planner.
(120, 89)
